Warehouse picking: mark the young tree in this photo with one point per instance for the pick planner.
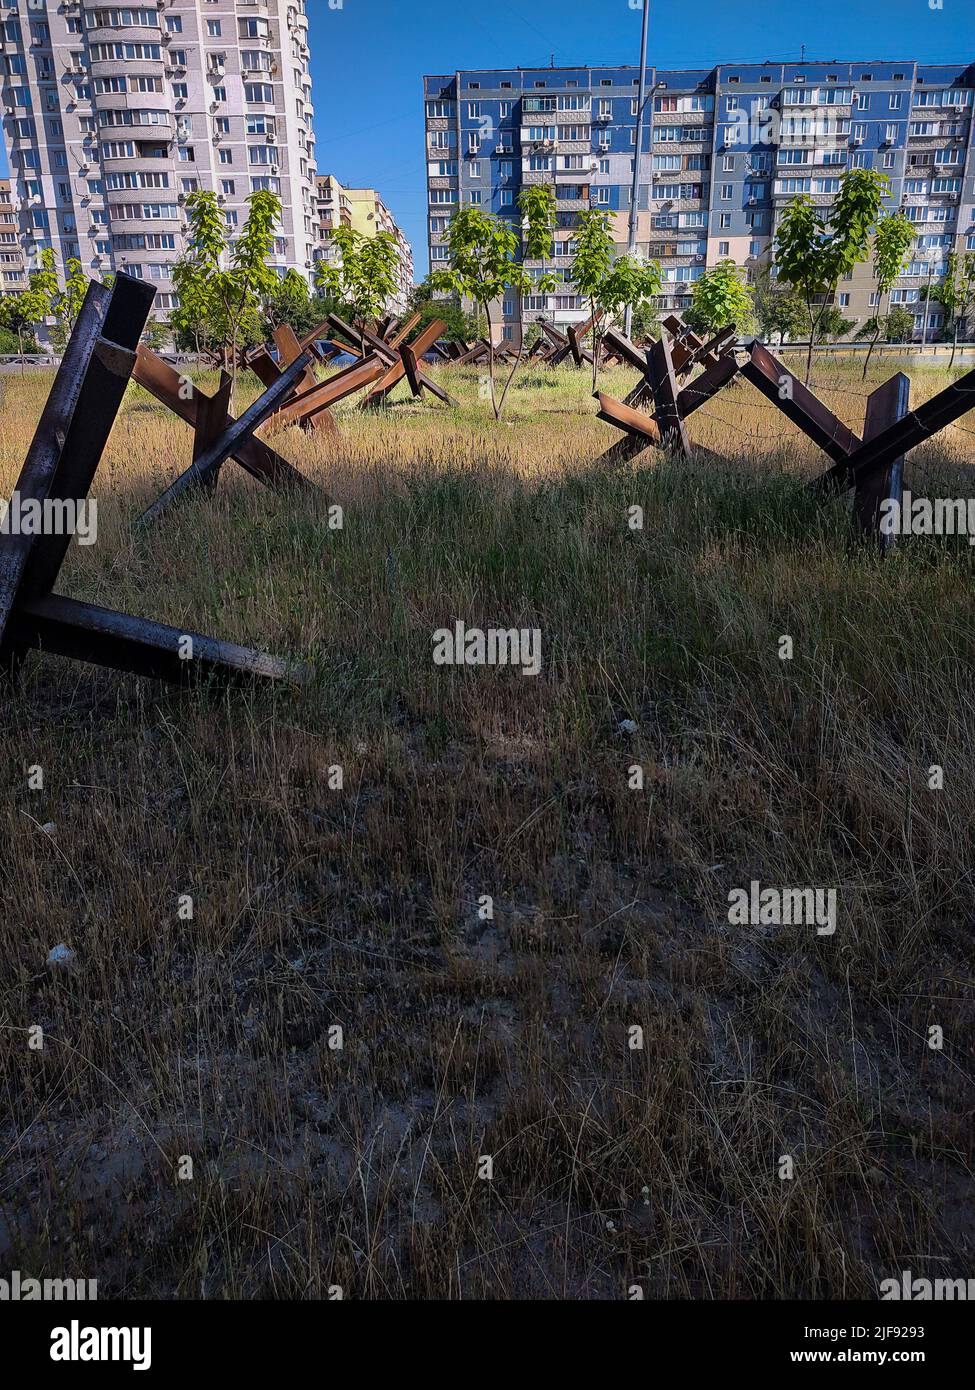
(721, 297)
(21, 313)
(608, 281)
(891, 245)
(66, 304)
(644, 324)
(289, 302)
(460, 327)
(363, 276)
(482, 264)
(222, 281)
(900, 325)
(833, 325)
(778, 308)
(958, 294)
(537, 206)
(815, 246)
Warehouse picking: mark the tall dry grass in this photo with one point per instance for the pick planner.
(359, 907)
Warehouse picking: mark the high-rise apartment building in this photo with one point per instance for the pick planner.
(364, 211)
(13, 269)
(113, 114)
(723, 151)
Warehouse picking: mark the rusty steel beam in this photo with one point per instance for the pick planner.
(182, 397)
(222, 448)
(902, 435)
(102, 392)
(44, 454)
(798, 404)
(103, 637)
(421, 344)
(75, 425)
(885, 406)
(663, 386)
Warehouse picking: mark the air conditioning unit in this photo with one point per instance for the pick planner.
(275, 170)
(856, 139)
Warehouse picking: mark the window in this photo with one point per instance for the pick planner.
(844, 301)
(213, 28)
(896, 98)
(754, 248)
(727, 190)
(728, 163)
(724, 220)
(174, 25)
(724, 248)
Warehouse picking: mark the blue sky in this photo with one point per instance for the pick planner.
(368, 58)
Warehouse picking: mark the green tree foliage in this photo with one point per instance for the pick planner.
(362, 277)
(892, 242)
(482, 262)
(290, 301)
(719, 298)
(460, 327)
(833, 325)
(609, 282)
(816, 246)
(221, 283)
(66, 303)
(21, 313)
(778, 309)
(645, 323)
(958, 295)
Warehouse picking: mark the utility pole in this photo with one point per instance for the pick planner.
(635, 191)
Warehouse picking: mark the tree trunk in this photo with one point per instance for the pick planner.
(511, 375)
(595, 346)
(873, 344)
(813, 322)
(954, 341)
(490, 338)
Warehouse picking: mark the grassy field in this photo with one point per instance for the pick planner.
(315, 1166)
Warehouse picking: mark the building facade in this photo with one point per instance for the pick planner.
(13, 267)
(723, 151)
(363, 211)
(113, 115)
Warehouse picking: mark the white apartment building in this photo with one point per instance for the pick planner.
(113, 114)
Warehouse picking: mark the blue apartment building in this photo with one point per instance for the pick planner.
(723, 151)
